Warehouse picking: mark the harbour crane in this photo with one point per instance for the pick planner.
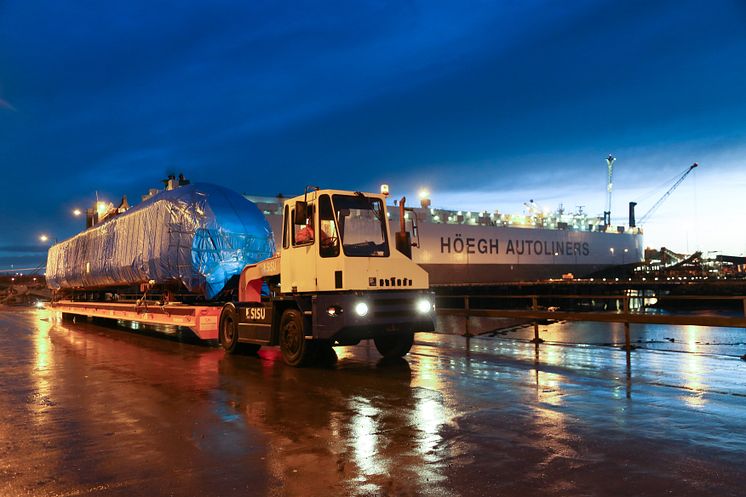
(655, 206)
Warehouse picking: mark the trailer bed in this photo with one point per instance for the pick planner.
(201, 319)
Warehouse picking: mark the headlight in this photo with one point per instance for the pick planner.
(361, 309)
(424, 306)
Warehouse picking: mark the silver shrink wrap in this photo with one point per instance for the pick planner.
(198, 235)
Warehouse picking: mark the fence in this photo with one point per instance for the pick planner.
(626, 315)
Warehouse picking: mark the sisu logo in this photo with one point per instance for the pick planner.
(256, 313)
(268, 266)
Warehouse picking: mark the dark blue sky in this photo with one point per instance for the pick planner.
(487, 103)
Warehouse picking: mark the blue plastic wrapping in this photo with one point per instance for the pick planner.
(199, 235)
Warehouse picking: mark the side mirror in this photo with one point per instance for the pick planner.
(301, 212)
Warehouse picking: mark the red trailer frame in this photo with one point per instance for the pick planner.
(201, 319)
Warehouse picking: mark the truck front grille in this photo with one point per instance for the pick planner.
(394, 306)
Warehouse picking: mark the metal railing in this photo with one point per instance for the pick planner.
(627, 314)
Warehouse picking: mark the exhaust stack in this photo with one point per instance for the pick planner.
(403, 238)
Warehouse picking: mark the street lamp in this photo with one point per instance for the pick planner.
(424, 198)
(623, 254)
(77, 212)
(44, 238)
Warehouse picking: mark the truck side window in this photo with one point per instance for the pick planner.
(329, 246)
(287, 219)
(304, 234)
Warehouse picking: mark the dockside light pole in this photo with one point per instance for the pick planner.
(607, 213)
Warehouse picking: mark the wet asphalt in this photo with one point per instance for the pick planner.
(91, 409)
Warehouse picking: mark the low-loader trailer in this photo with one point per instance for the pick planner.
(337, 278)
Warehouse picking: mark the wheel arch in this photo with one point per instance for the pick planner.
(279, 307)
(230, 307)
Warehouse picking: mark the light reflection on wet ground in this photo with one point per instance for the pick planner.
(93, 410)
(698, 339)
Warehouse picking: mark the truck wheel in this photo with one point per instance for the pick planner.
(391, 346)
(296, 350)
(228, 334)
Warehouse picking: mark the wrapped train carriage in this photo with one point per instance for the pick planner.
(193, 239)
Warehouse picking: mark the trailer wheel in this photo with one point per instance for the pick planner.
(296, 350)
(390, 346)
(228, 334)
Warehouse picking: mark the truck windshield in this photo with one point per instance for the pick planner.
(362, 226)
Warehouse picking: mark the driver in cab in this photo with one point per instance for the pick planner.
(306, 235)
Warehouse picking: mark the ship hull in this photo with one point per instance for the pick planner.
(464, 254)
(483, 274)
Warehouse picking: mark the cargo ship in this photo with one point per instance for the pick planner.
(468, 247)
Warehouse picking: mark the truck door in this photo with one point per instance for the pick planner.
(329, 263)
(299, 252)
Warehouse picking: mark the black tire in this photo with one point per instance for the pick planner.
(228, 332)
(390, 346)
(296, 350)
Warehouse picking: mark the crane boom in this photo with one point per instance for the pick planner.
(665, 195)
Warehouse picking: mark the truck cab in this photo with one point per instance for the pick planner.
(336, 279)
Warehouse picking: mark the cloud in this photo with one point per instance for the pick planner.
(24, 249)
(4, 104)
(22, 256)
(22, 263)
